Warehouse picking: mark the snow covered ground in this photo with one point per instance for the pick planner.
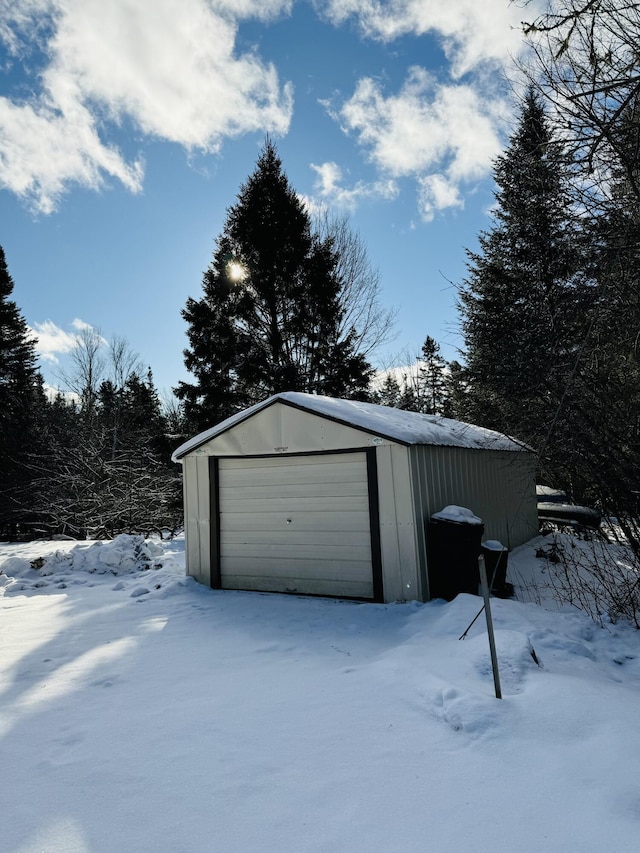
(140, 711)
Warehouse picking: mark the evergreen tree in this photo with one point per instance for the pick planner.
(432, 382)
(408, 400)
(455, 397)
(605, 405)
(108, 469)
(21, 403)
(130, 417)
(270, 318)
(520, 303)
(422, 385)
(389, 392)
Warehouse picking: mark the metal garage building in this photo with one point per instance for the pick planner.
(313, 495)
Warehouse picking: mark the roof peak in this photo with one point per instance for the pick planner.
(409, 428)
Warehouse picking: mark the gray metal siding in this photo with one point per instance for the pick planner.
(498, 486)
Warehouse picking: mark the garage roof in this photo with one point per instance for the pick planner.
(384, 421)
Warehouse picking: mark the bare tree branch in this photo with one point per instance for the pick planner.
(586, 62)
(360, 293)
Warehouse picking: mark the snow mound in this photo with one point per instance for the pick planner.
(457, 514)
(126, 555)
(464, 711)
(14, 567)
(516, 658)
(350, 727)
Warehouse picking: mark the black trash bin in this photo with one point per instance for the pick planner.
(496, 558)
(454, 537)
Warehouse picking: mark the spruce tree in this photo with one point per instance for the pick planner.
(388, 394)
(606, 402)
(431, 378)
(455, 394)
(423, 384)
(270, 318)
(21, 403)
(408, 400)
(520, 303)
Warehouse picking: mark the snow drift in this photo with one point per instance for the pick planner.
(142, 711)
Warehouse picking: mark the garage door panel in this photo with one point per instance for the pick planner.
(312, 586)
(295, 474)
(296, 524)
(295, 551)
(292, 506)
(300, 568)
(309, 521)
(263, 538)
(278, 463)
(267, 491)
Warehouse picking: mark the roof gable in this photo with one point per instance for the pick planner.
(394, 424)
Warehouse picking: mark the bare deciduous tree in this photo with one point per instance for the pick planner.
(123, 361)
(586, 61)
(87, 367)
(107, 468)
(360, 292)
(94, 360)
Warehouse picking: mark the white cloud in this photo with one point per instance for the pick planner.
(44, 148)
(81, 326)
(471, 31)
(329, 189)
(443, 132)
(435, 193)
(422, 125)
(52, 392)
(442, 135)
(172, 72)
(264, 9)
(52, 341)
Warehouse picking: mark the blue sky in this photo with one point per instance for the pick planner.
(127, 128)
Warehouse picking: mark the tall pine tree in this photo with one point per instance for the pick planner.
(520, 308)
(21, 403)
(432, 378)
(606, 401)
(270, 318)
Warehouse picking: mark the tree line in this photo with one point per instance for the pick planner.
(550, 308)
(289, 302)
(91, 462)
(549, 315)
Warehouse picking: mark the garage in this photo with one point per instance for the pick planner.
(312, 495)
(298, 524)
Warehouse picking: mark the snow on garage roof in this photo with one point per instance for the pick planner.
(394, 424)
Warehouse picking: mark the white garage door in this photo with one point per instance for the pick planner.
(296, 524)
